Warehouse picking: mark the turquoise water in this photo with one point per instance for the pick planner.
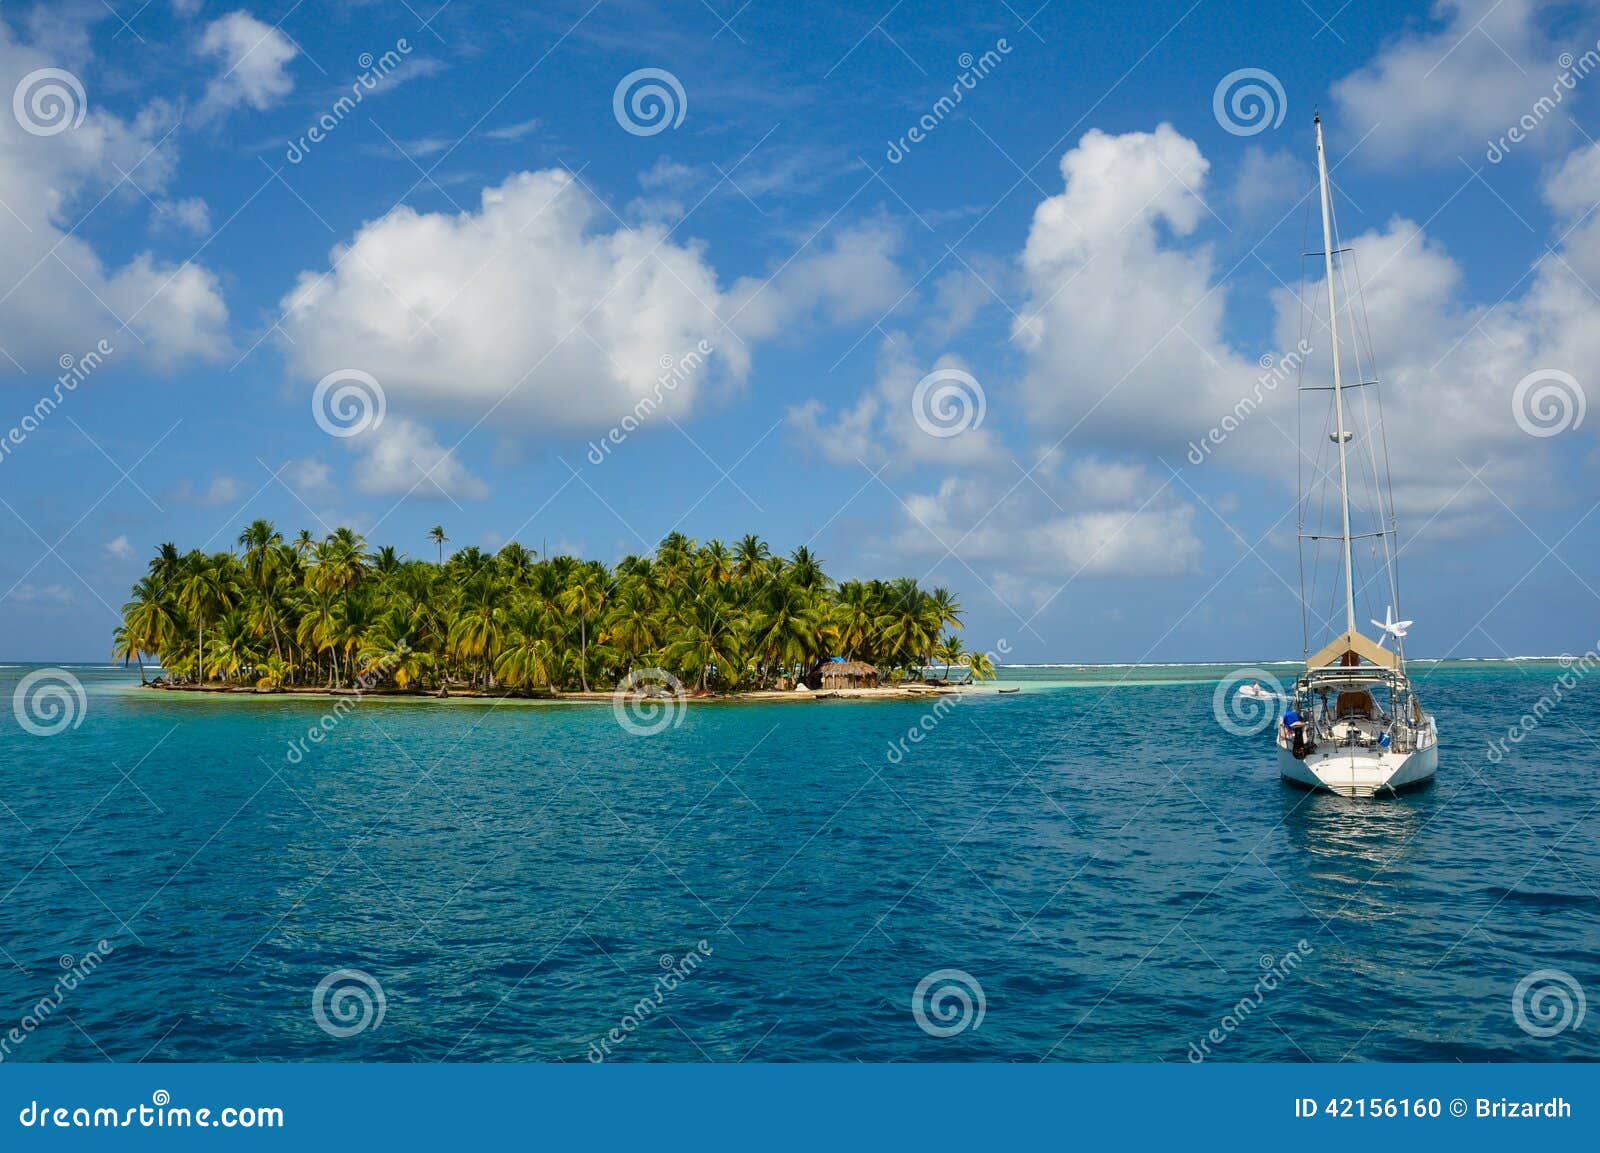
(1096, 852)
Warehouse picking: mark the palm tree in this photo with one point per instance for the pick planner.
(981, 666)
(336, 612)
(750, 557)
(949, 652)
(205, 588)
(125, 649)
(477, 632)
(704, 638)
(787, 627)
(148, 625)
(436, 535)
(261, 540)
(527, 659)
(584, 597)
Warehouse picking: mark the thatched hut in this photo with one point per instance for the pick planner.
(845, 675)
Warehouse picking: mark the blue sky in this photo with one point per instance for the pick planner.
(1095, 242)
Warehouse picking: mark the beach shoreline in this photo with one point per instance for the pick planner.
(880, 693)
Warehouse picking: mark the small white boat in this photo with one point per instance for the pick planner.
(1354, 724)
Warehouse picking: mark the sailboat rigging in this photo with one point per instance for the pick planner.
(1354, 724)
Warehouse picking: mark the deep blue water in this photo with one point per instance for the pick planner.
(1108, 863)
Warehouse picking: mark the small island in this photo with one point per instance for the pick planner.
(333, 616)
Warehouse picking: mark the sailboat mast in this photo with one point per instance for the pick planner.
(1338, 386)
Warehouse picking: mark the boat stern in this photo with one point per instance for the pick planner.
(1358, 772)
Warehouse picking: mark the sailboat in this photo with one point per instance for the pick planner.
(1354, 724)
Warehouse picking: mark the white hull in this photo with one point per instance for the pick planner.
(1357, 772)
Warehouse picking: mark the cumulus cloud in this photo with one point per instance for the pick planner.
(1122, 323)
(221, 490)
(402, 458)
(1124, 332)
(120, 548)
(883, 424)
(58, 296)
(542, 310)
(254, 58)
(1094, 518)
(1436, 94)
(191, 214)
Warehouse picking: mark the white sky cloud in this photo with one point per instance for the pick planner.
(1092, 519)
(253, 58)
(542, 309)
(59, 297)
(402, 458)
(882, 425)
(1433, 95)
(1124, 332)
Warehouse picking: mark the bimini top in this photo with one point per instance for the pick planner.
(1352, 644)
